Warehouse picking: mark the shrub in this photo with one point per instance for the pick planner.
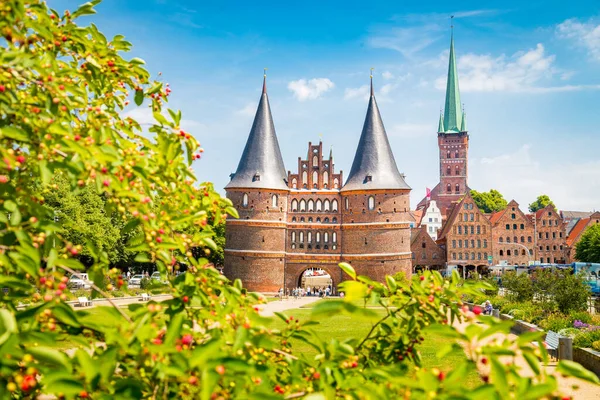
(582, 316)
(555, 322)
(118, 293)
(145, 282)
(519, 286)
(570, 292)
(569, 332)
(596, 345)
(586, 338)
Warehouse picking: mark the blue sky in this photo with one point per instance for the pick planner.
(528, 77)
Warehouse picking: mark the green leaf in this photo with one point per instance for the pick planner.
(14, 133)
(10, 206)
(66, 315)
(210, 244)
(532, 361)
(50, 356)
(347, 268)
(174, 330)
(67, 386)
(391, 282)
(137, 61)
(572, 368)
(354, 290)
(160, 118)
(8, 325)
(139, 97)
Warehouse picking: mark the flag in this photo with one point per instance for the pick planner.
(428, 193)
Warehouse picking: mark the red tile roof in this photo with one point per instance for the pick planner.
(577, 231)
(495, 217)
(418, 215)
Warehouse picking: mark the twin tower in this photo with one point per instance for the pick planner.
(290, 222)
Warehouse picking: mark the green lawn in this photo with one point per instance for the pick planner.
(343, 327)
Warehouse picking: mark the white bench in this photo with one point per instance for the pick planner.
(551, 343)
(145, 297)
(84, 301)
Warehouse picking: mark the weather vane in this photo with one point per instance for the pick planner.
(452, 21)
(265, 71)
(372, 71)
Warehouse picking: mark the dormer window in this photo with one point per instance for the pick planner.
(368, 178)
(256, 177)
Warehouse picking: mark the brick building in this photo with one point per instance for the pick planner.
(551, 236)
(513, 236)
(466, 235)
(292, 222)
(426, 253)
(453, 144)
(578, 230)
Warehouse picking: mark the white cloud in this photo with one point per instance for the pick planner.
(584, 34)
(406, 40)
(310, 89)
(248, 111)
(520, 175)
(524, 71)
(410, 130)
(387, 75)
(360, 92)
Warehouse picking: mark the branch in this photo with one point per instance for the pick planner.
(283, 353)
(295, 395)
(389, 314)
(96, 288)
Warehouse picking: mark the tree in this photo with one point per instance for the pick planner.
(520, 286)
(570, 292)
(63, 88)
(541, 202)
(588, 247)
(489, 202)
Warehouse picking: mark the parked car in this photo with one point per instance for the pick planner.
(156, 277)
(81, 281)
(136, 280)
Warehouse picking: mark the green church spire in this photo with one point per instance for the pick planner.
(463, 125)
(452, 109)
(441, 124)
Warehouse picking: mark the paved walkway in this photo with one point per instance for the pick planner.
(573, 387)
(266, 310)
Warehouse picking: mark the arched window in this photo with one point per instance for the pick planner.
(515, 240)
(479, 256)
(326, 205)
(326, 237)
(302, 205)
(304, 177)
(315, 178)
(301, 219)
(457, 170)
(315, 161)
(371, 202)
(295, 183)
(528, 239)
(478, 228)
(514, 226)
(457, 188)
(485, 246)
(522, 226)
(336, 183)
(310, 219)
(448, 170)
(334, 237)
(334, 220)
(448, 154)
(334, 205)
(294, 205)
(318, 219)
(293, 236)
(293, 219)
(501, 252)
(523, 253)
(311, 205)
(472, 217)
(245, 200)
(318, 237)
(319, 205)
(478, 243)
(309, 237)
(508, 252)
(500, 240)
(301, 237)
(456, 154)
(325, 178)
(347, 203)
(472, 256)
(274, 200)
(507, 239)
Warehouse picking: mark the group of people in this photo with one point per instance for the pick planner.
(308, 291)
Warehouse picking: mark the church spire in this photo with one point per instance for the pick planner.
(331, 155)
(441, 123)
(452, 109)
(261, 165)
(374, 166)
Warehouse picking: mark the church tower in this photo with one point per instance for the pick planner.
(255, 249)
(453, 143)
(375, 205)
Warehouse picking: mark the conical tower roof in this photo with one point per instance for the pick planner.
(374, 166)
(261, 165)
(452, 109)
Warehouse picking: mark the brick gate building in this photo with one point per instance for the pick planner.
(290, 222)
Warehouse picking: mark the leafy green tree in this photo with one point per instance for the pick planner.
(570, 292)
(489, 202)
(541, 202)
(520, 286)
(63, 88)
(588, 247)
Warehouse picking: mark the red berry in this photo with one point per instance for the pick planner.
(157, 341)
(158, 239)
(192, 380)
(106, 182)
(316, 375)
(2, 88)
(484, 360)
(431, 298)
(83, 394)
(220, 370)
(187, 339)
(441, 376)
(185, 299)
(21, 159)
(477, 310)
(74, 251)
(422, 277)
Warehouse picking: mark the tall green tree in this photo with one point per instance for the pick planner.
(489, 202)
(588, 248)
(541, 202)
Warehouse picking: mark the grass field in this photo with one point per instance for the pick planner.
(343, 327)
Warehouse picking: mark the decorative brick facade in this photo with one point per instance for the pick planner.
(466, 235)
(551, 238)
(512, 236)
(426, 253)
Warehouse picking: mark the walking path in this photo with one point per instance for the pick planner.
(267, 310)
(573, 387)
